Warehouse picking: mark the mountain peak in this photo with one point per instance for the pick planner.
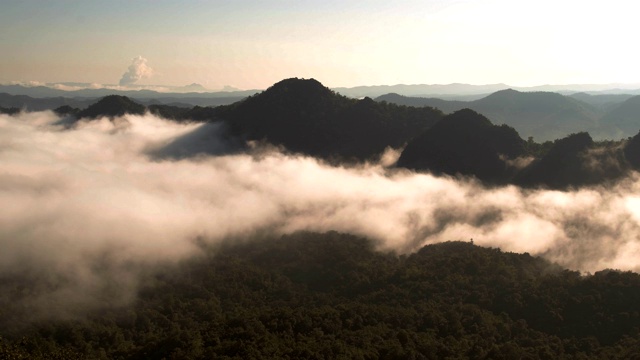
(465, 143)
(563, 165)
(506, 93)
(290, 98)
(295, 87)
(465, 121)
(304, 116)
(112, 106)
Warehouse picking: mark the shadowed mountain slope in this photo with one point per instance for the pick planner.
(632, 152)
(464, 143)
(112, 106)
(9, 111)
(306, 117)
(575, 161)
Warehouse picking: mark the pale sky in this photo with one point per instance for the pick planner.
(252, 44)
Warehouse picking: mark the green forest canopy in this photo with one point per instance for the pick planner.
(326, 296)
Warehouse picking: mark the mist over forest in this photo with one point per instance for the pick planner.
(97, 190)
(96, 202)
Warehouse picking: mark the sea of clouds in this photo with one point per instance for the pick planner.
(89, 206)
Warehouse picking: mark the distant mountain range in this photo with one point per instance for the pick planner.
(546, 115)
(471, 92)
(302, 116)
(456, 91)
(541, 114)
(189, 98)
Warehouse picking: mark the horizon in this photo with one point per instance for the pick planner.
(252, 45)
(69, 86)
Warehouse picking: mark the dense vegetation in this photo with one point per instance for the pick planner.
(9, 111)
(326, 296)
(111, 106)
(196, 113)
(577, 161)
(306, 117)
(302, 116)
(465, 143)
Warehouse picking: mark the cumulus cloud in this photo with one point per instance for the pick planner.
(137, 70)
(90, 207)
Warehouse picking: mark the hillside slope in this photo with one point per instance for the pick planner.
(309, 296)
(305, 117)
(464, 143)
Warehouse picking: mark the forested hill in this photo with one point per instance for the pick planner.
(465, 143)
(327, 296)
(301, 115)
(306, 117)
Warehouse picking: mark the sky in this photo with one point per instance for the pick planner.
(251, 44)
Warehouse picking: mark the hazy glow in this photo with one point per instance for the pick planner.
(252, 44)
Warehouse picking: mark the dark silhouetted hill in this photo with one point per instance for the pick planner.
(181, 113)
(632, 152)
(9, 111)
(306, 117)
(561, 166)
(464, 143)
(66, 110)
(171, 112)
(575, 161)
(116, 105)
(112, 106)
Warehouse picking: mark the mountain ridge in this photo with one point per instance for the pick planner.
(306, 117)
(542, 115)
(302, 116)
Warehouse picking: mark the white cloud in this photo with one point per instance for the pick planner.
(74, 197)
(137, 70)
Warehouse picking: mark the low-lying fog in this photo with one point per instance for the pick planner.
(90, 205)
